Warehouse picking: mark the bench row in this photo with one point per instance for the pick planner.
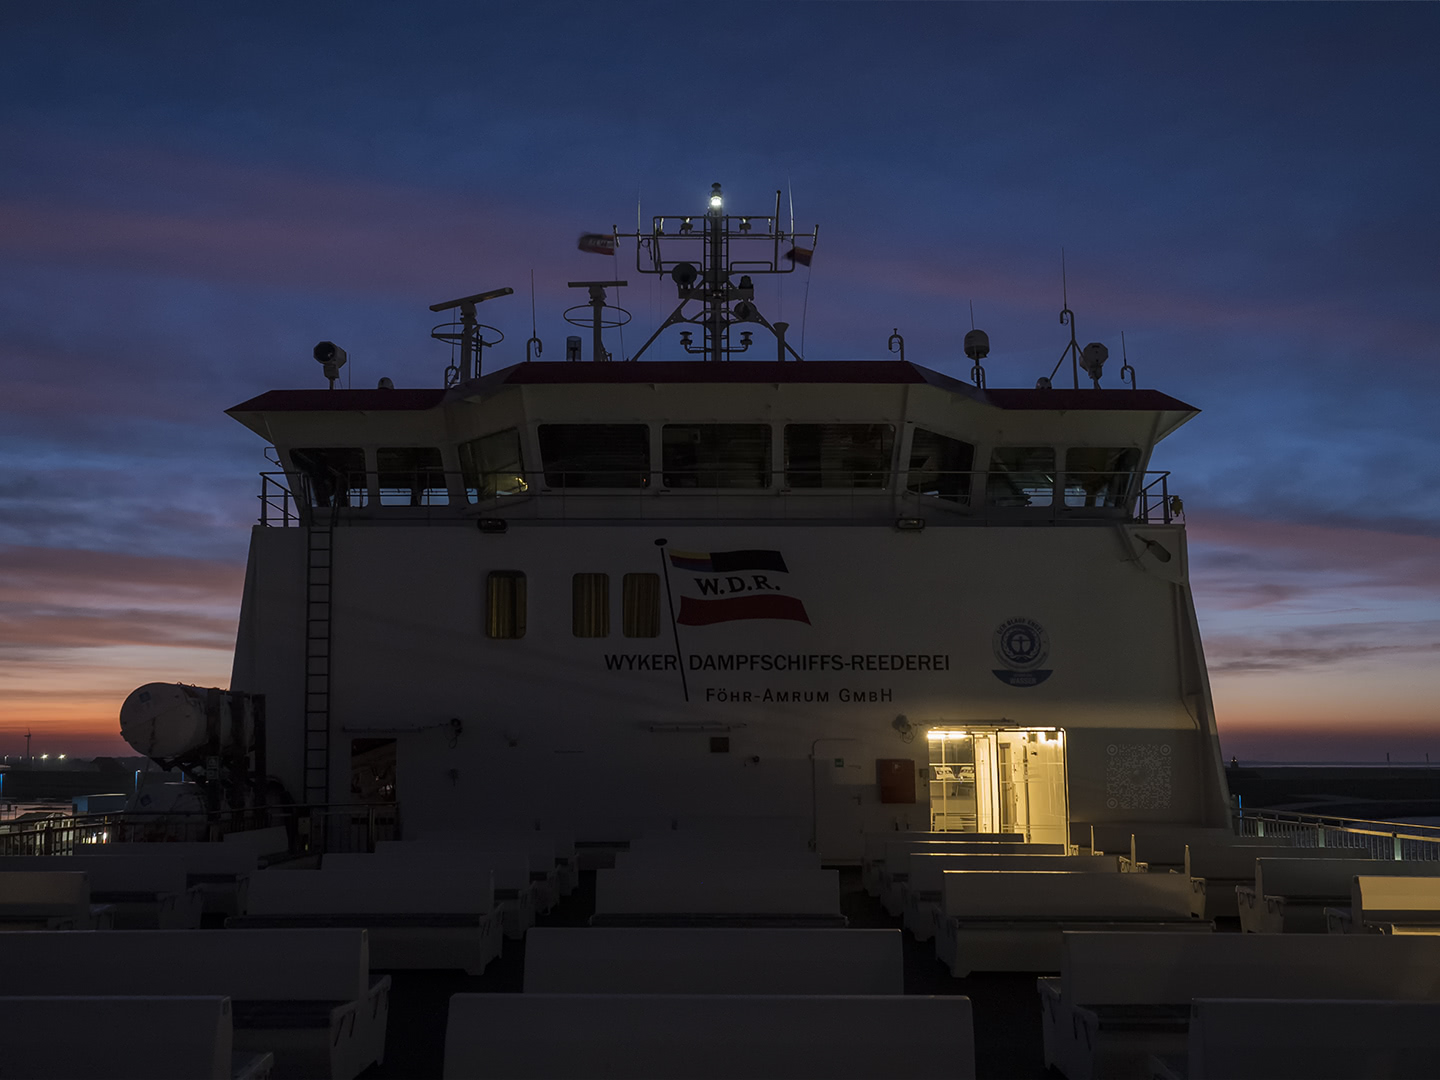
(1121, 998)
(308, 996)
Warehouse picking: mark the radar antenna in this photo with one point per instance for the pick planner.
(468, 333)
(598, 320)
(701, 254)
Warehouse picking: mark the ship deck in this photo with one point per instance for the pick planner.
(1006, 1007)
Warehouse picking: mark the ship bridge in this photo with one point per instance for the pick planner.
(838, 440)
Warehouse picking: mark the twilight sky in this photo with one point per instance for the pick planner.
(191, 195)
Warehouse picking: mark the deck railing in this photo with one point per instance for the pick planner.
(290, 498)
(312, 829)
(1381, 839)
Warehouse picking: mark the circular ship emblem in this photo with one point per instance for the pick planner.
(1021, 646)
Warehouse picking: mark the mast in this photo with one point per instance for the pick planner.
(714, 262)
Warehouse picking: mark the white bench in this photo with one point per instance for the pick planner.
(49, 900)
(417, 915)
(873, 849)
(716, 898)
(1245, 1039)
(1291, 895)
(222, 871)
(269, 844)
(124, 1038)
(1389, 905)
(552, 867)
(712, 960)
(1015, 921)
(751, 837)
(695, 1036)
(143, 894)
(789, 828)
(1122, 997)
(305, 995)
(895, 867)
(922, 888)
(1217, 870)
(764, 858)
(516, 892)
(1163, 844)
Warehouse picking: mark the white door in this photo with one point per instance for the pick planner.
(840, 780)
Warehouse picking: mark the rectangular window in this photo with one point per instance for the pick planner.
(411, 476)
(1021, 476)
(716, 455)
(1099, 475)
(596, 455)
(590, 607)
(838, 455)
(505, 604)
(940, 466)
(491, 466)
(641, 616)
(332, 476)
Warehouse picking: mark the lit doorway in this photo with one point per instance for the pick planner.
(999, 780)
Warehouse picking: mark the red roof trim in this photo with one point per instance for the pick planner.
(699, 373)
(694, 371)
(341, 401)
(1092, 399)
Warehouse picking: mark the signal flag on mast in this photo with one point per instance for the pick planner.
(597, 243)
(800, 255)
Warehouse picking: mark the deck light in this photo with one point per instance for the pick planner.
(716, 199)
(910, 524)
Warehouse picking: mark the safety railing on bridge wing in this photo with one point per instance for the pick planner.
(860, 494)
(1380, 839)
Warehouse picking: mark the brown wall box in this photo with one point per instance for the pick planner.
(896, 779)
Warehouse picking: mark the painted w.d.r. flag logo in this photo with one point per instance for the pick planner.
(736, 585)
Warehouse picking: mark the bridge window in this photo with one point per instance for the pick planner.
(411, 476)
(596, 455)
(641, 616)
(1021, 476)
(1099, 475)
(332, 476)
(492, 466)
(716, 455)
(590, 608)
(940, 466)
(838, 455)
(505, 604)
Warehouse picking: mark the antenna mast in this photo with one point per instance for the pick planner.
(702, 255)
(1092, 358)
(469, 334)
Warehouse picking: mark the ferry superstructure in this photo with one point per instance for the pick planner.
(607, 594)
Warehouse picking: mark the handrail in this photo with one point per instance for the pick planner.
(311, 828)
(286, 497)
(1383, 839)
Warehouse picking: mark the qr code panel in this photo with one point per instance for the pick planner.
(1139, 776)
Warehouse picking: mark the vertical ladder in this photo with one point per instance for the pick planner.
(319, 564)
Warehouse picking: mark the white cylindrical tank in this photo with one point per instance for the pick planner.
(167, 720)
